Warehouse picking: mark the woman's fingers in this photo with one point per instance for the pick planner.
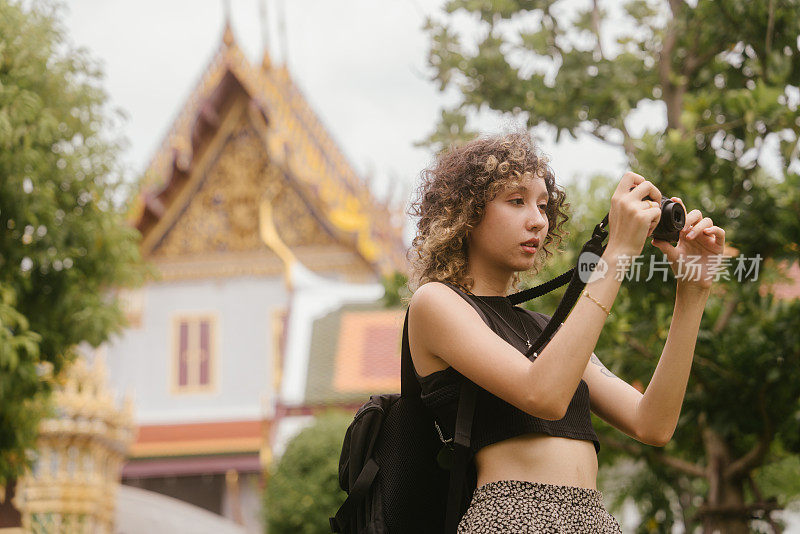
(717, 232)
(647, 189)
(692, 218)
(647, 203)
(628, 181)
(704, 223)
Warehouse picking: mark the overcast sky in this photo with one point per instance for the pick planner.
(360, 63)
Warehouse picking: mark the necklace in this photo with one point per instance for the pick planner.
(526, 339)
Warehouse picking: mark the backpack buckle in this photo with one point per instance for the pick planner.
(447, 442)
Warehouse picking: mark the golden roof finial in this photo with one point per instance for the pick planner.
(227, 36)
(266, 62)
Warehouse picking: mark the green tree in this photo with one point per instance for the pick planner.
(725, 75)
(303, 489)
(396, 290)
(64, 243)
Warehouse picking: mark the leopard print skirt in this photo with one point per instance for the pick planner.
(516, 506)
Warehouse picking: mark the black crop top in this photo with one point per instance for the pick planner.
(495, 419)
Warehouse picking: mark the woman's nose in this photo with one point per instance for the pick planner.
(537, 219)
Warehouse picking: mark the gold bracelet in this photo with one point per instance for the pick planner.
(608, 312)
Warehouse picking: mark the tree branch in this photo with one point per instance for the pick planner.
(770, 27)
(716, 367)
(596, 28)
(549, 19)
(760, 497)
(716, 127)
(595, 132)
(675, 6)
(725, 317)
(694, 62)
(627, 140)
(672, 94)
(754, 456)
(683, 466)
(639, 347)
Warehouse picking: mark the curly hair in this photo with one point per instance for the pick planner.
(452, 196)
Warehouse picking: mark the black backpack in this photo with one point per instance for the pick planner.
(389, 466)
(393, 451)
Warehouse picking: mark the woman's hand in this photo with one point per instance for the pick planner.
(697, 255)
(631, 218)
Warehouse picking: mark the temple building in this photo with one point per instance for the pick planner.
(265, 306)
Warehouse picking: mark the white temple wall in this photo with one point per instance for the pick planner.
(141, 360)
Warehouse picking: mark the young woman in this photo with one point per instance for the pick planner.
(488, 210)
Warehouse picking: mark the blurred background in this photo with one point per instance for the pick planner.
(204, 212)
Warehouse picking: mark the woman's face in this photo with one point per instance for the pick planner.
(515, 216)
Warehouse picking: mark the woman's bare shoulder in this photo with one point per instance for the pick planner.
(419, 306)
(431, 290)
(432, 310)
(444, 329)
(439, 299)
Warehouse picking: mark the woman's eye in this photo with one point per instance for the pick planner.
(543, 206)
(515, 199)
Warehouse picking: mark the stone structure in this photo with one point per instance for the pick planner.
(81, 448)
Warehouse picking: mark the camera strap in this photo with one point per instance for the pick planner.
(594, 246)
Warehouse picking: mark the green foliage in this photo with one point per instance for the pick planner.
(303, 490)
(396, 290)
(723, 71)
(64, 242)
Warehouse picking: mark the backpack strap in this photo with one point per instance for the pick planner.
(462, 438)
(357, 493)
(461, 455)
(409, 385)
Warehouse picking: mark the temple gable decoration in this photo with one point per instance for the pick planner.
(244, 137)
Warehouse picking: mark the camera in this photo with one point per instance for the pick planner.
(673, 218)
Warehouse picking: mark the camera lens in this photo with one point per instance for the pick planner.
(673, 218)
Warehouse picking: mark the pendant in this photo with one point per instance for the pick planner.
(528, 343)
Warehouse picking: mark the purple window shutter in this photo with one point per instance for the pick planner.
(183, 354)
(205, 344)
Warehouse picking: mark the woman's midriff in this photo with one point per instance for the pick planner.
(541, 458)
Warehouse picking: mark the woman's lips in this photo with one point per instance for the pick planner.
(529, 248)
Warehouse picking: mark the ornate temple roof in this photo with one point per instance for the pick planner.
(294, 142)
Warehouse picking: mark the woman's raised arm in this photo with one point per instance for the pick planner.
(447, 327)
